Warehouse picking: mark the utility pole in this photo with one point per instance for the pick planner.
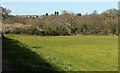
(0, 39)
(0, 21)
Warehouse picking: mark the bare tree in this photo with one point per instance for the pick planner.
(4, 13)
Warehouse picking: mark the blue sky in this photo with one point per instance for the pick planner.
(59, 0)
(40, 8)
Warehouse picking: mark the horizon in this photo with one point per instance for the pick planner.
(40, 8)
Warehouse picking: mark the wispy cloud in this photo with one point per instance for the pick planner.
(60, 0)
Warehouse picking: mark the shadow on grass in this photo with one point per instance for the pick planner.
(23, 59)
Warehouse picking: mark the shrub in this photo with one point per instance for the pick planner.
(32, 29)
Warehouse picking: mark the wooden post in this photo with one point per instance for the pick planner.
(3, 37)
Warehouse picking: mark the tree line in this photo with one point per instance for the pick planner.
(66, 23)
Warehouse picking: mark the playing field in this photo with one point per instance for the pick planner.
(75, 53)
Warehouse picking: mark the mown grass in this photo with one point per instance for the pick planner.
(68, 53)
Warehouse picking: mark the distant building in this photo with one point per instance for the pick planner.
(30, 16)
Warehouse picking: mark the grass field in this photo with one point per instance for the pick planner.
(68, 53)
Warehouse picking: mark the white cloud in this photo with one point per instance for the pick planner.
(60, 0)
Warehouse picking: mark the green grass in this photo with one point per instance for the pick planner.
(74, 53)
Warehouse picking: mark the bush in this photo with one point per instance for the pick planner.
(32, 29)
